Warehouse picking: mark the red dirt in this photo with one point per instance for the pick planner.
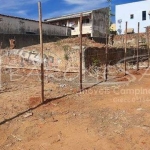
(123, 79)
(104, 117)
(34, 101)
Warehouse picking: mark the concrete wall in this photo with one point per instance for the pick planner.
(86, 30)
(119, 40)
(97, 57)
(100, 22)
(14, 25)
(124, 11)
(23, 40)
(97, 25)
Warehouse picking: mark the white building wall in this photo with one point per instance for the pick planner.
(11, 25)
(124, 11)
(86, 29)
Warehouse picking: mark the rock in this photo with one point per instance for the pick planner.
(77, 47)
(62, 85)
(28, 114)
(140, 109)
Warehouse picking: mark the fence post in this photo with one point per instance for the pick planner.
(106, 52)
(147, 34)
(41, 42)
(125, 50)
(81, 52)
(0, 68)
(138, 47)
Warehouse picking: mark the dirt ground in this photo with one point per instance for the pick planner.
(102, 117)
(112, 115)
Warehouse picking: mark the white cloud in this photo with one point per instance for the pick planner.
(22, 12)
(78, 2)
(19, 8)
(23, 8)
(15, 4)
(78, 6)
(85, 2)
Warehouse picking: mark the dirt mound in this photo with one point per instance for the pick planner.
(135, 72)
(65, 43)
(86, 41)
(123, 79)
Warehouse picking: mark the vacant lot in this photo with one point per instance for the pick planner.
(103, 117)
(112, 115)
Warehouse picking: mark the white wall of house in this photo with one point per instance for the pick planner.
(86, 28)
(133, 13)
(93, 22)
(12, 25)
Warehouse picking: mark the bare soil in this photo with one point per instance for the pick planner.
(102, 117)
(112, 115)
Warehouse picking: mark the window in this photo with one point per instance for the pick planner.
(143, 15)
(131, 16)
(86, 21)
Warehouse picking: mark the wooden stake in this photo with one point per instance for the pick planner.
(41, 42)
(147, 33)
(125, 50)
(80, 52)
(106, 52)
(138, 47)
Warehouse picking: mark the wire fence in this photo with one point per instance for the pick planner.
(96, 63)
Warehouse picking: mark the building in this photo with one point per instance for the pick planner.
(16, 25)
(113, 27)
(94, 22)
(133, 13)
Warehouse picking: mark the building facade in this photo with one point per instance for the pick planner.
(94, 22)
(133, 13)
(16, 25)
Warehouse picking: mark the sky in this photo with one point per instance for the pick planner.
(53, 8)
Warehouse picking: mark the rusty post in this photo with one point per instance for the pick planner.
(41, 42)
(125, 50)
(148, 53)
(138, 47)
(81, 52)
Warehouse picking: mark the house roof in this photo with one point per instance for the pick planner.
(2, 15)
(17, 17)
(69, 16)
